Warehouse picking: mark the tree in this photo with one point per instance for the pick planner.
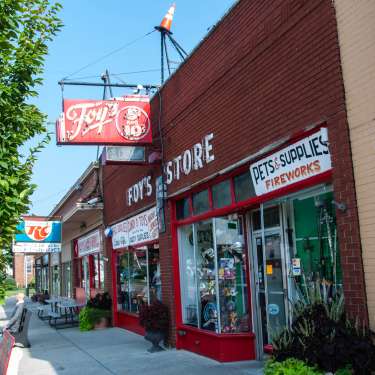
(27, 26)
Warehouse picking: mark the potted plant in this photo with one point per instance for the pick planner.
(155, 319)
(97, 313)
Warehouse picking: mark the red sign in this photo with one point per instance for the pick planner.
(119, 121)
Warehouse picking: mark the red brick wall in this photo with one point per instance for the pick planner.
(19, 268)
(268, 70)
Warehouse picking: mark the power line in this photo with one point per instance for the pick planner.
(109, 54)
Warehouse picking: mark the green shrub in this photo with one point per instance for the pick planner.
(2, 292)
(290, 366)
(90, 316)
(345, 371)
(10, 283)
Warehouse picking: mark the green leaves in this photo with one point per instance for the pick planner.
(27, 26)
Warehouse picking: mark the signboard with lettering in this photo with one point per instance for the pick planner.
(138, 229)
(304, 159)
(118, 121)
(38, 235)
(90, 243)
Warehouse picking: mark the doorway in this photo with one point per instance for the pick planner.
(293, 247)
(269, 260)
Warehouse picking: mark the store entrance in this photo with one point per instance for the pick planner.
(293, 249)
(269, 260)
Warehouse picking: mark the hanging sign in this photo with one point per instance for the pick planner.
(118, 121)
(124, 154)
(140, 228)
(36, 235)
(304, 159)
(89, 244)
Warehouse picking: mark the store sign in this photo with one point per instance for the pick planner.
(139, 191)
(119, 121)
(140, 228)
(304, 159)
(190, 160)
(38, 236)
(89, 244)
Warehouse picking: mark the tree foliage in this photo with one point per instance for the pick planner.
(27, 27)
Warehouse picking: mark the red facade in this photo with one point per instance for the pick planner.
(266, 75)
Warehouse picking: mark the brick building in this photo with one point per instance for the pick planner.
(21, 267)
(260, 198)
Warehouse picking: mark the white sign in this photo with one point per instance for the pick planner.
(296, 267)
(90, 243)
(140, 190)
(304, 159)
(190, 160)
(138, 229)
(125, 154)
(36, 247)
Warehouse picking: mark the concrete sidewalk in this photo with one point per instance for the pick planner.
(109, 351)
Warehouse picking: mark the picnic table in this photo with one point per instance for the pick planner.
(62, 312)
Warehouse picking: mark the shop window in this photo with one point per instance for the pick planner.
(56, 280)
(66, 279)
(271, 217)
(182, 209)
(101, 272)
(214, 291)
(201, 202)
(221, 194)
(138, 278)
(243, 187)
(96, 271)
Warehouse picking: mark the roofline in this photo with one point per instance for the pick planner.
(93, 165)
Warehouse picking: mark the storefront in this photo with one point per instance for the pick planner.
(274, 216)
(136, 267)
(89, 263)
(259, 199)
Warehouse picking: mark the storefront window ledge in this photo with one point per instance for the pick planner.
(184, 329)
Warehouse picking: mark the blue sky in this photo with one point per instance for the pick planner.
(94, 28)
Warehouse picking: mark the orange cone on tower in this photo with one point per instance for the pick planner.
(166, 23)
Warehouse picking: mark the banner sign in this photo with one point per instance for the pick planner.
(90, 243)
(118, 121)
(138, 229)
(304, 159)
(38, 236)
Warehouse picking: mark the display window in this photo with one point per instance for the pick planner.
(67, 279)
(214, 289)
(90, 272)
(138, 278)
(56, 280)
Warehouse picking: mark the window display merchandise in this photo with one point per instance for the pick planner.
(138, 278)
(213, 275)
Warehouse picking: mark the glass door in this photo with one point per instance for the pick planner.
(268, 258)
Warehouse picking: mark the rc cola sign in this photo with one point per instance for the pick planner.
(38, 235)
(118, 121)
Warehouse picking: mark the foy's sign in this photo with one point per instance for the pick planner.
(119, 121)
(306, 158)
(138, 191)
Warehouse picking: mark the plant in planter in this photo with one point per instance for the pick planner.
(321, 335)
(97, 312)
(155, 319)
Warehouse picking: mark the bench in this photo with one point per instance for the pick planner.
(21, 336)
(55, 316)
(43, 309)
